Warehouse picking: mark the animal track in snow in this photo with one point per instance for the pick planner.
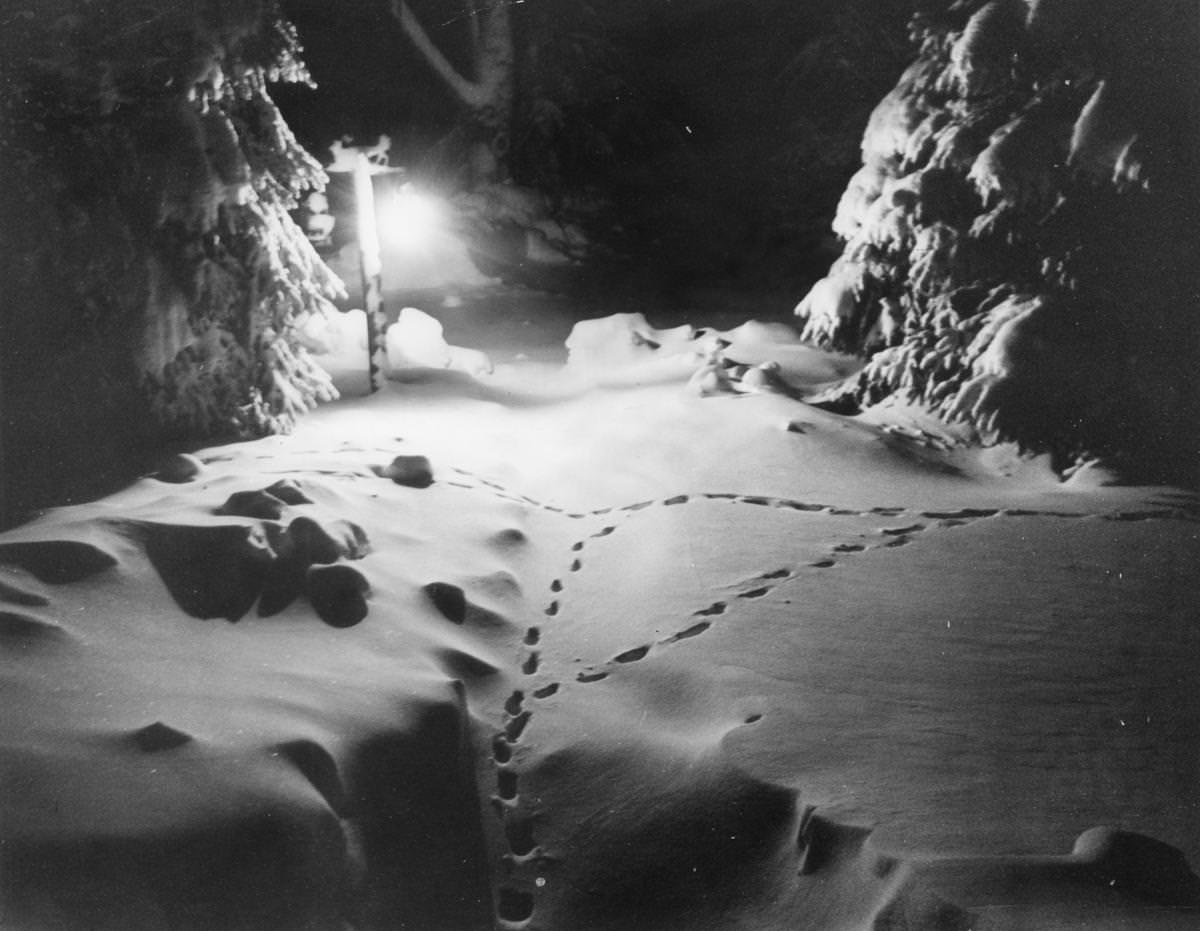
(478, 482)
(632, 656)
(506, 784)
(516, 726)
(694, 631)
(901, 531)
(501, 749)
(961, 514)
(514, 907)
(513, 705)
(518, 830)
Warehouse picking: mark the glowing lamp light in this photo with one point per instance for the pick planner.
(409, 219)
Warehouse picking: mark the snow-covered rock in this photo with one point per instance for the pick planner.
(627, 339)
(415, 340)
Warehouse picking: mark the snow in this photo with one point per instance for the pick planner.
(415, 341)
(996, 171)
(596, 671)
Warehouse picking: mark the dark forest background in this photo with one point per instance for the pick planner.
(993, 202)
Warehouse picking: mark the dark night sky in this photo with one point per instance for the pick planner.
(717, 57)
(724, 82)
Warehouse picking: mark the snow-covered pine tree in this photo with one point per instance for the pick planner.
(1021, 242)
(148, 178)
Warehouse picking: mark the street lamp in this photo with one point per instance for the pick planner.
(410, 219)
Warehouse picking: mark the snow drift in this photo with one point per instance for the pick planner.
(495, 653)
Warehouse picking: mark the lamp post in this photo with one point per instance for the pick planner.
(409, 219)
(370, 263)
(363, 163)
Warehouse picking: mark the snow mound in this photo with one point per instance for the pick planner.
(628, 339)
(416, 341)
(754, 357)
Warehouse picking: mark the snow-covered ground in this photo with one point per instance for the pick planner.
(627, 657)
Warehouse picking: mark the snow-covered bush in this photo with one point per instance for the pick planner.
(1020, 242)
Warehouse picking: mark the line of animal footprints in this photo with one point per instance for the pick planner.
(763, 585)
(701, 620)
(516, 900)
(1183, 512)
(514, 905)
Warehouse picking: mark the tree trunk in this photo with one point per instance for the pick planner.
(487, 94)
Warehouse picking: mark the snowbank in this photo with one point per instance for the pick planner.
(625, 349)
(478, 653)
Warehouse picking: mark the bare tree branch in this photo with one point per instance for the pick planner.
(469, 92)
